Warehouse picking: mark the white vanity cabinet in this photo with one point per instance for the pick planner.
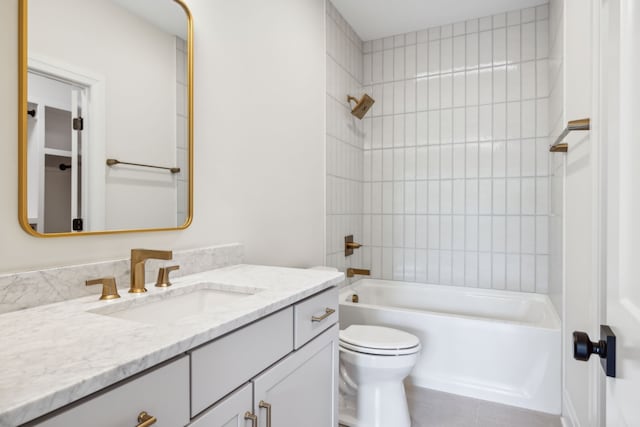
(300, 390)
(281, 370)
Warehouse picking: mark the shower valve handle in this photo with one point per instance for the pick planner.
(350, 245)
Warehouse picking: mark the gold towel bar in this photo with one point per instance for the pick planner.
(113, 162)
(562, 147)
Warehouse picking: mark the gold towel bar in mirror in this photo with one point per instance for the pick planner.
(113, 162)
(562, 147)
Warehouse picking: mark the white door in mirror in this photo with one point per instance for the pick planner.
(54, 135)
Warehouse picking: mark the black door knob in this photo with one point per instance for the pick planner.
(583, 348)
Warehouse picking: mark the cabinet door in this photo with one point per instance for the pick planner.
(302, 389)
(230, 412)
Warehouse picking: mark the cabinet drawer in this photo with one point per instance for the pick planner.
(313, 316)
(217, 368)
(162, 393)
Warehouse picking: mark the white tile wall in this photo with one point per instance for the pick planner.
(345, 138)
(455, 175)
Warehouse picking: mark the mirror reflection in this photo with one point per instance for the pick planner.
(107, 116)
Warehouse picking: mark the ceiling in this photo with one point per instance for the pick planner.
(374, 19)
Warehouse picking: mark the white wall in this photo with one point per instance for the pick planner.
(140, 81)
(579, 302)
(259, 140)
(345, 141)
(456, 160)
(557, 122)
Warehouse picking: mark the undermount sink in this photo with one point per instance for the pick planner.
(171, 308)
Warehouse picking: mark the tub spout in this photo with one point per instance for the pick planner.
(360, 271)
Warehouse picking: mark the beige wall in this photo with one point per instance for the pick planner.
(259, 137)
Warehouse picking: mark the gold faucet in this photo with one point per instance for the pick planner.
(361, 271)
(138, 257)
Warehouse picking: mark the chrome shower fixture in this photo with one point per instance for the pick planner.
(362, 106)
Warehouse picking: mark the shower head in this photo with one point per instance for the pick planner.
(362, 105)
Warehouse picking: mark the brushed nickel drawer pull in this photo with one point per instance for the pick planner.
(249, 416)
(145, 420)
(267, 406)
(327, 312)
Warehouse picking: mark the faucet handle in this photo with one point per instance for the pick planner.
(163, 276)
(350, 245)
(109, 288)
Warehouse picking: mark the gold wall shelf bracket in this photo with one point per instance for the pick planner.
(113, 162)
(562, 147)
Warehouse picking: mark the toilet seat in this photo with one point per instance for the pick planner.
(378, 340)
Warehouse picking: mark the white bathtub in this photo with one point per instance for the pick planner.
(494, 345)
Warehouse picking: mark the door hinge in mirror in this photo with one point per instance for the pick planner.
(78, 123)
(77, 224)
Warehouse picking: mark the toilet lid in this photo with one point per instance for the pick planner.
(378, 340)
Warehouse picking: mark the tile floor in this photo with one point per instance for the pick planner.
(431, 408)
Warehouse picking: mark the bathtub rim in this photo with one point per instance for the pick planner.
(554, 321)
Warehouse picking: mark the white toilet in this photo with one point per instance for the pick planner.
(374, 360)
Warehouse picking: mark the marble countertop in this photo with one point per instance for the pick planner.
(55, 354)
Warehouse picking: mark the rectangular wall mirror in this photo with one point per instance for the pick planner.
(106, 116)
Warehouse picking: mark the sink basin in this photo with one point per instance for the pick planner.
(172, 308)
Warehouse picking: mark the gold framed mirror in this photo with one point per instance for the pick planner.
(105, 116)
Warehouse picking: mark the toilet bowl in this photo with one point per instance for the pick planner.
(374, 360)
